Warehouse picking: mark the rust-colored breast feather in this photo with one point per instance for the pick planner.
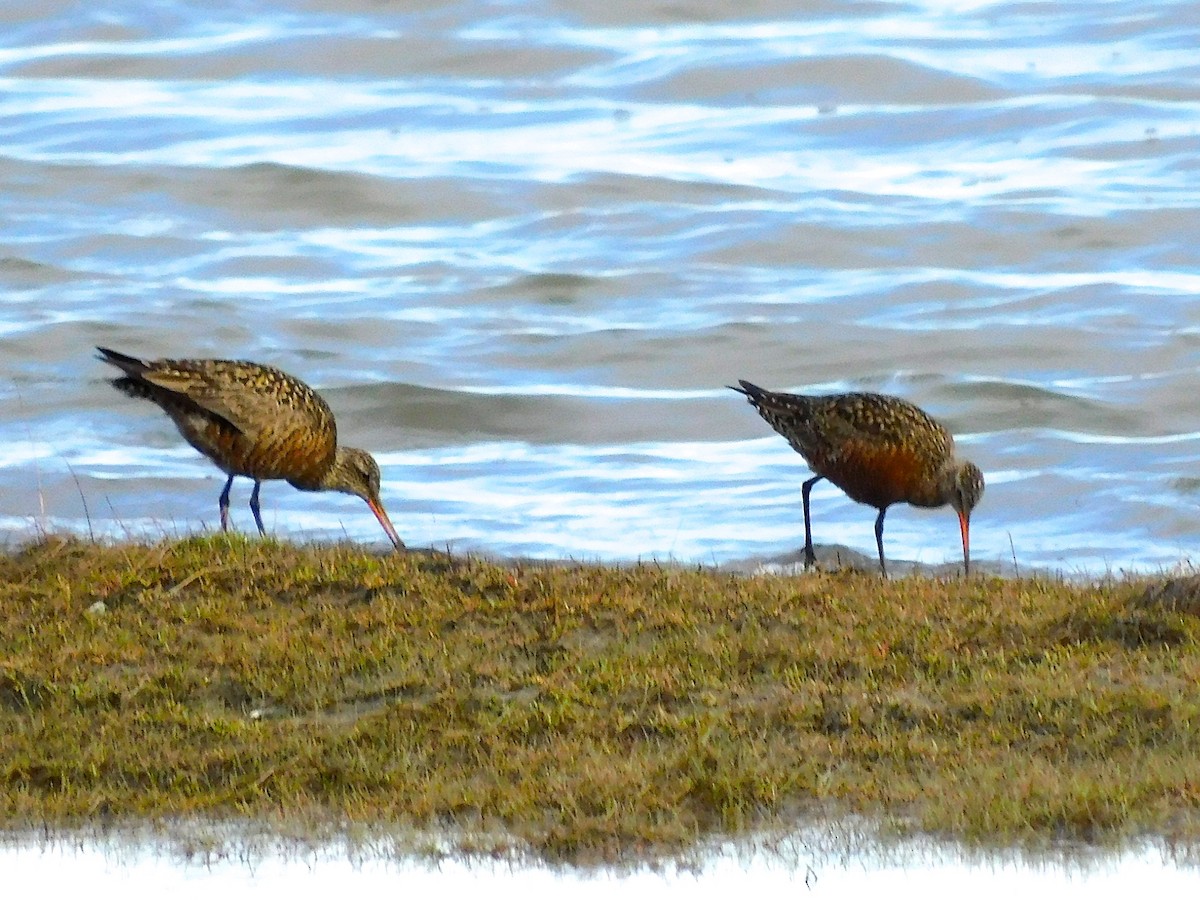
(249, 419)
(881, 474)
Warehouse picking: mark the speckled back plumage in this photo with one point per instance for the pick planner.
(877, 448)
(249, 419)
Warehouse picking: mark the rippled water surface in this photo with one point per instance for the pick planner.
(522, 248)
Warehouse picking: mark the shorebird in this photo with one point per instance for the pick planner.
(255, 421)
(877, 448)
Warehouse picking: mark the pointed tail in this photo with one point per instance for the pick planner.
(130, 365)
(133, 382)
(753, 391)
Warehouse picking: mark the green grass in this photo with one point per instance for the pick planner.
(585, 712)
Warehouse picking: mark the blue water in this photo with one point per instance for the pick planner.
(522, 247)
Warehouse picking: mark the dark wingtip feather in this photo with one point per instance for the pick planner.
(131, 383)
(130, 365)
(753, 391)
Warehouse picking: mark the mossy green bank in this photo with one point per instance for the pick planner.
(585, 712)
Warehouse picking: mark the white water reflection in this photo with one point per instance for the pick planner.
(918, 870)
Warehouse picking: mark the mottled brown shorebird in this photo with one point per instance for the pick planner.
(877, 448)
(255, 421)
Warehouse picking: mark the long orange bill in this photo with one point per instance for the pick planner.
(377, 508)
(964, 525)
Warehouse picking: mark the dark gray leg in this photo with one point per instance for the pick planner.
(254, 507)
(879, 540)
(225, 504)
(810, 556)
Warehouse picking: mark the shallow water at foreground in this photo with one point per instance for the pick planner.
(918, 870)
(524, 247)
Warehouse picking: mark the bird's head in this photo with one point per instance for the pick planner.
(962, 488)
(355, 472)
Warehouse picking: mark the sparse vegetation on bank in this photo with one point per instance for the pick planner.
(587, 712)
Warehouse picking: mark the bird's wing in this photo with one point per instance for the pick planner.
(208, 393)
(885, 422)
